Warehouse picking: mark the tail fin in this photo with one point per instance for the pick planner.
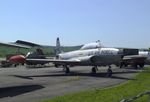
(58, 47)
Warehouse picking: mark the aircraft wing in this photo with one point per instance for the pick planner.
(88, 60)
(15, 45)
(56, 61)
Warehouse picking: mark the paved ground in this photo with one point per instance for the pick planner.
(33, 85)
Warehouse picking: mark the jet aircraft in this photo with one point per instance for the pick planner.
(86, 56)
(94, 54)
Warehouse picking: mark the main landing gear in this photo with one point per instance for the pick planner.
(109, 70)
(94, 69)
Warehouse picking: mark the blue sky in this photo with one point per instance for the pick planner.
(123, 23)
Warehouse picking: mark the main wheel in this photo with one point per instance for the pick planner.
(136, 66)
(109, 72)
(141, 65)
(94, 70)
(67, 70)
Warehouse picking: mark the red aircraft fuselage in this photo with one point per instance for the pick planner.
(17, 59)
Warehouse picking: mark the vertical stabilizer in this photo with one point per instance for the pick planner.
(58, 47)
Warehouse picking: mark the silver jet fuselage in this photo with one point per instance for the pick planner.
(93, 57)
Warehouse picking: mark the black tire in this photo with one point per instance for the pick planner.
(121, 65)
(93, 70)
(141, 65)
(109, 72)
(67, 70)
(136, 66)
(15, 65)
(126, 65)
(56, 66)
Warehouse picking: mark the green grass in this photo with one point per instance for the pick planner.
(113, 94)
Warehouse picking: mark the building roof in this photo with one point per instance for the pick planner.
(15, 45)
(27, 43)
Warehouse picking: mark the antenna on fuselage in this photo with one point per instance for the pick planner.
(99, 44)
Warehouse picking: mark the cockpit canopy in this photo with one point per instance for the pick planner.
(91, 46)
